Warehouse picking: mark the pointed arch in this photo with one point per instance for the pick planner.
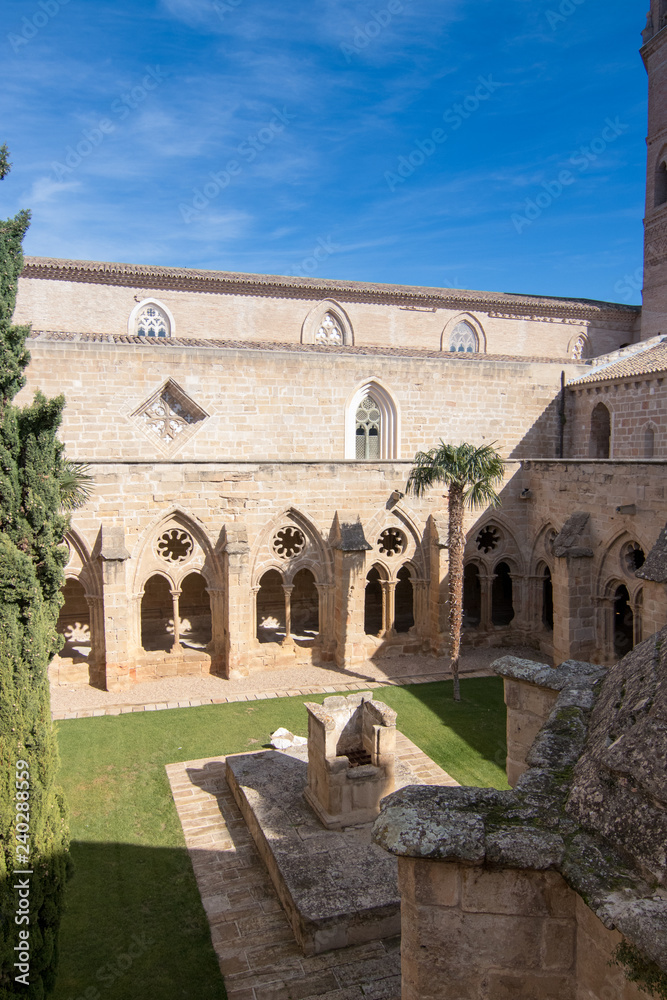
(648, 442)
(81, 567)
(308, 552)
(199, 559)
(327, 325)
(456, 338)
(386, 426)
(141, 323)
(415, 549)
(579, 347)
(660, 179)
(600, 438)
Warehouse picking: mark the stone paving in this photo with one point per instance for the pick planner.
(253, 940)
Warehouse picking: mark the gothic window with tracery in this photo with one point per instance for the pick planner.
(151, 321)
(368, 430)
(464, 339)
(330, 333)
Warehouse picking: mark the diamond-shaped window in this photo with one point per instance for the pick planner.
(169, 416)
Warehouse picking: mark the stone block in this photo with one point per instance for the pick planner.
(512, 891)
(431, 883)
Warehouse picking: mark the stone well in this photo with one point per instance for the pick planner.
(351, 749)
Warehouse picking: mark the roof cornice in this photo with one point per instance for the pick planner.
(220, 282)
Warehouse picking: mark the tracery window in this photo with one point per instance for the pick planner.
(329, 333)
(151, 321)
(463, 339)
(368, 430)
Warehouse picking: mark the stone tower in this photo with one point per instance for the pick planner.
(654, 54)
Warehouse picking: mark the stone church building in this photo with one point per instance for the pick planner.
(250, 439)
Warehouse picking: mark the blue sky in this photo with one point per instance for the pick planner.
(495, 145)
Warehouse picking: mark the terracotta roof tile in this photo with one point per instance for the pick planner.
(266, 284)
(644, 363)
(250, 345)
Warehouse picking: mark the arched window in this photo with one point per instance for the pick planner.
(660, 189)
(472, 596)
(463, 339)
(547, 599)
(157, 615)
(404, 617)
(271, 608)
(367, 430)
(623, 622)
(373, 603)
(502, 603)
(150, 319)
(600, 432)
(649, 442)
(195, 612)
(327, 325)
(371, 425)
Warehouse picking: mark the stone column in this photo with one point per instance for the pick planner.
(485, 585)
(388, 607)
(572, 579)
(326, 597)
(97, 647)
(120, 666)
(176, 645)
(287, 590)
(437, 626)
(216, 647)
(238, 613)
(349, 547)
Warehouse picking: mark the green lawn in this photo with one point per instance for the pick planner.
(134, 926)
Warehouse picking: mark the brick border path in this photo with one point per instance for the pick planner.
(358, 685)
(252, 938)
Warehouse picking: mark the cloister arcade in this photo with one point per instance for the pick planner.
(182, 613)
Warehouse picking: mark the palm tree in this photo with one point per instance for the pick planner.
(76, 485)
(470, 473)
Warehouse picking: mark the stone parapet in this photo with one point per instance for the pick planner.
(494, 848)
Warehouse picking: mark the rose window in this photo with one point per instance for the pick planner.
(329, 333)
(392, 542)
(632, 557)
(175, 545)
(289, 542)
(152, 322)
(488, 539)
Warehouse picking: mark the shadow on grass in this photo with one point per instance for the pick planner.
(467, 738)
(134, 928)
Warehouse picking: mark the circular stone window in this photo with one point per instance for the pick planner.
(392, 542)
(175, 545)
(632, 557)
(289, 542)
(488, 539)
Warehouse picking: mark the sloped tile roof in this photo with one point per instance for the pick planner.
(136, 275)
(252, 345)
(654, 359)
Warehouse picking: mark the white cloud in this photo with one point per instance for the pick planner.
(45, 189)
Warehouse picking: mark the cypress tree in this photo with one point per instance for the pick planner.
(33, 826)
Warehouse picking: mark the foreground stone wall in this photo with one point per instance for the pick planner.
(478, 933)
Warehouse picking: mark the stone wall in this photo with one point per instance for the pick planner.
(210, 305)
(278, 405)
(479, 933)
(635, 406)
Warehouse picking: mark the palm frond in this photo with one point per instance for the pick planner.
(76, 485)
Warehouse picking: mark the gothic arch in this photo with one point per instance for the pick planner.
(314, 555)
(647, 444)
(542, 550)
(473, 323)
(660, 179)
(612, 567)
(579, 347)
(327, 325)
(81, 567)
(414, 551)
(389, 431)
(599, 445)
(167, 316)
(200, 558)
(507, 548)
